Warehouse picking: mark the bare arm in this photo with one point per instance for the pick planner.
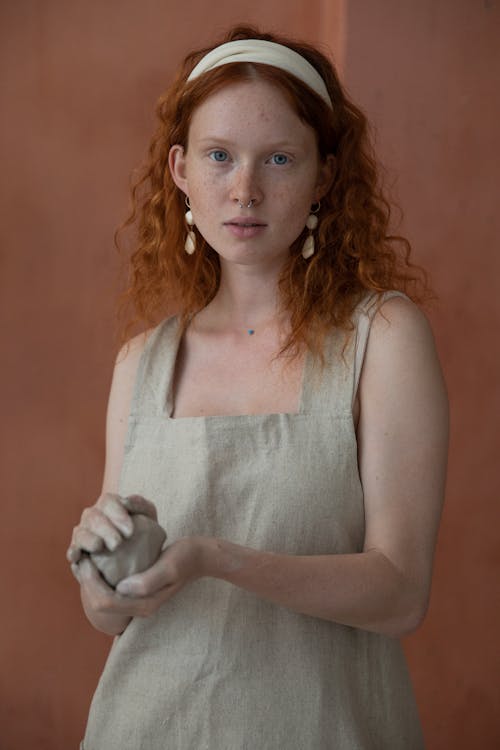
(119, 403)
(106, 523)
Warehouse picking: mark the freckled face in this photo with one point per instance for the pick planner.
(245, 143)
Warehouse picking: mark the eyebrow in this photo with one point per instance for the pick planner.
(228, 142)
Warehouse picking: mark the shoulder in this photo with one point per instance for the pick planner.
(399, 322)
(125, 371)
(129, 356)
(401, 361)
(386, 326)
(119, 403)
(130, 353)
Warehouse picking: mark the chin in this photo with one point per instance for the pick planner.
(250, 256)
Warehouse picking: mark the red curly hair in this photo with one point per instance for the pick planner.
(355, 253)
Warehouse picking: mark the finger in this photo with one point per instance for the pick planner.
(112, 507)
(96, 588)
(104, 599)
(73, 554)
(99, 523)
(87, 541)
(148, 583)
(138, 504)
(147, 605)
(90, 576)
(96, 533)
(95, 591)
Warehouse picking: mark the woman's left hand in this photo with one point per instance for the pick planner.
(181, 563)
(143, 594)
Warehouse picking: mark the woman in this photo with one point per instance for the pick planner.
(289, 427)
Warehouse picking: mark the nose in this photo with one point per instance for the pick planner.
(245, 187)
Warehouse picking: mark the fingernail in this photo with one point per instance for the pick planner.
(112, 544)
(126, 529)
(126, 587)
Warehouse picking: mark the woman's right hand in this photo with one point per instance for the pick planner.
(104, 525)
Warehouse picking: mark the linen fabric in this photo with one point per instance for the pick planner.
(217, 668)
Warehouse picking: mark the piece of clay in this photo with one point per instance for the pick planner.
(133, 555)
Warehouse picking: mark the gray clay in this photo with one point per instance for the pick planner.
(133, 555)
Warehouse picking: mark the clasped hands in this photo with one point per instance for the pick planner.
(104, 526)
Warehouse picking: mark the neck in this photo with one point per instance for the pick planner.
(246, 300)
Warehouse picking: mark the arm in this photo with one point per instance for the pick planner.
(119, 404)
(107, 522)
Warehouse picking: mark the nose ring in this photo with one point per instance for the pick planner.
(249, 204)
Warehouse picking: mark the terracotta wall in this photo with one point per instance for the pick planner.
(428, 74)
(78, 82)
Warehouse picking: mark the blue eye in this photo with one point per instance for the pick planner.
(218, 155)
(279, 159)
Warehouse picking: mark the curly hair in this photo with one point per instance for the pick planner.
(356, 252)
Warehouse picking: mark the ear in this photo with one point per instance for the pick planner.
(326, 173)
(177, 166)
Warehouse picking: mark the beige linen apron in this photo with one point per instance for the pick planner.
(217, 668)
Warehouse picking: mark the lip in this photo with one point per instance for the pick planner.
(245, 227)
(245, 220)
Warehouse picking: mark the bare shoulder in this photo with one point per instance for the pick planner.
(399, 321)
(130, 354)
(401, 360)
(401, 346)
(125, 373)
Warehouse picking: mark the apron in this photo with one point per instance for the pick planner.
(217, 668)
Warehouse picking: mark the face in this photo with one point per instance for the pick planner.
(246, 143)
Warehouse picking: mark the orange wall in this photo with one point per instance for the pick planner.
(78, 82)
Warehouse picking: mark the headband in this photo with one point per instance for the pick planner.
(268, 53)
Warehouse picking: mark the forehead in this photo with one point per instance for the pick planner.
(249, 106)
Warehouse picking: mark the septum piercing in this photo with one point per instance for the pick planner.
(249, 204)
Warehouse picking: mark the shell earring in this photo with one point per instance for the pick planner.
(311, 224)
(190, 243)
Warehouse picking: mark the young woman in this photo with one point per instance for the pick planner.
(288, 426)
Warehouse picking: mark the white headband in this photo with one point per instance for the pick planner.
(268, 53)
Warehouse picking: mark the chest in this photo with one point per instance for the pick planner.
(236, 375)
(266, 459)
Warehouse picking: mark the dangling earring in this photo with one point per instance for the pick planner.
(311, 224)
(190, 244)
